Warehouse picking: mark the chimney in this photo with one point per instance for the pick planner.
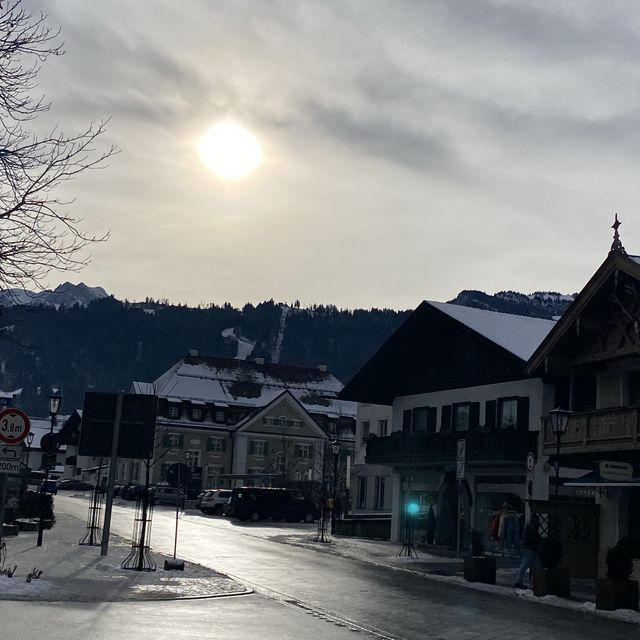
(259, 360)
(322, 367)
(193, 353)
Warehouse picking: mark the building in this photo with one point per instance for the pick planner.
(453, 373)
(236, 421)
(592, 357)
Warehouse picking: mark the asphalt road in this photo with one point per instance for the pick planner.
(331, 591)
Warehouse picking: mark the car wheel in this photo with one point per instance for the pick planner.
(254, 517)
(217, 510)
(308, 517)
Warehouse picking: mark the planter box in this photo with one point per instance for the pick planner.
(552, 582)
(616, 594)
(480, 569)
(27, 525)
(10, 530)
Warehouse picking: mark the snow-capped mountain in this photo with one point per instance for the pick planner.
(64, 295)
(540, 304)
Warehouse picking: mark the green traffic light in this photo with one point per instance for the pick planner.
(413, 508)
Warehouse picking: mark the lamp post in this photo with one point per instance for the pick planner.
(559, 419)
(54, 406)
(335, 449)
(30, 437)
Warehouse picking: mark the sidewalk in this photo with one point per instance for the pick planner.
(71, 572)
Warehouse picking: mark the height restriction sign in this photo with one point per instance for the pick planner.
(14, 426)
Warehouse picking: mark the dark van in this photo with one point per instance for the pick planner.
(257, 503)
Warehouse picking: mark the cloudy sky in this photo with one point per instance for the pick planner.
(412, 149)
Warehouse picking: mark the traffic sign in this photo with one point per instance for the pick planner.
(10, 453)
(531, 461)
(462, 450)
(10, 466)
(14, 426)
(460, 470)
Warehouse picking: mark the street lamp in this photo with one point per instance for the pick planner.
(559, 419)
(335, 449)
(30, 437)
(54, 406)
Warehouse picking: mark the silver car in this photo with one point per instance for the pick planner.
(214, 500)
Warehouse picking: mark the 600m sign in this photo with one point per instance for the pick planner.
(14, 426)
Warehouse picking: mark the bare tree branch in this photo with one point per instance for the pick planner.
(37, 233)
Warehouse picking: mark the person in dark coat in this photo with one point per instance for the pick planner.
(529, 558)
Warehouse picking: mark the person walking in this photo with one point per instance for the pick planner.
(529, 558)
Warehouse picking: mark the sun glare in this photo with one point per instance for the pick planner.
(230, 151)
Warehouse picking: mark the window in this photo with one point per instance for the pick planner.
(362, 492)
(383, 427)
(282, 421)
(216, 445)
(379, 496)
(424, 419)
(365, 429)
(269, 421)
(461, 417)
(332, 427)
(304, 451)
(174, 411)
(193, 458)
(172, 441)
(219, 416)
(296, 424)
(507, 413)
(279, 462)
(258, 448)
(196, 413)
(213, 476)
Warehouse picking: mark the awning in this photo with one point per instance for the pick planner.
(594, 479)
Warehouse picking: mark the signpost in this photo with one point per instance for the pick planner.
(8, 452)
(461, 455)
(14, 426)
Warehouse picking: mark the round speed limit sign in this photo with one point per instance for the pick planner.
(14, 426)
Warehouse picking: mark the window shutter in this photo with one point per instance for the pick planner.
(181, 442)
(474, 416)
(297, 451)
(432, 418)
(445, 424)
(407, 416)
(310, 452)
(523, 414)
(266, 448)
(252, 447)
(165, 440)
(209, 444)
(490, 414)
(224, 445)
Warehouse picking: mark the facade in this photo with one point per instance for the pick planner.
(454, 373)
(371, 483)
(236, 422)
(592, 357)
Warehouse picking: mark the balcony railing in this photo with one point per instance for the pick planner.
(603, 431)
(432, 449)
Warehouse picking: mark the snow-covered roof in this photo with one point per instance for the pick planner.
(229, 382)
(521, 335)
(143, 388)
(10, 395)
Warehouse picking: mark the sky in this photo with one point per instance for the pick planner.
(411, 149)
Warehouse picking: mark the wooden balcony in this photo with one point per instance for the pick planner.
(602, 431)
(436, 449)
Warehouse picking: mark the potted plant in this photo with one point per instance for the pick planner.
(551, 579)
(616, 591)
(477, 566)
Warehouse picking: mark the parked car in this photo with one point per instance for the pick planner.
(214, 500)
(131, 491)
(167, 495)
(49, 486)
(74, 484)
(255, 503)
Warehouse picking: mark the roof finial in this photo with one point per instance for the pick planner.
(616, 245)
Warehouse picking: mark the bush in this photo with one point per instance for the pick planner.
(630, 545)
(551, 554)
(477, 546)
(619, 562)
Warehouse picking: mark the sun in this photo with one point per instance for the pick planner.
(230, 151)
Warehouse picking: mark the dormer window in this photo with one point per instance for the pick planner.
(196, 413)
(219, 416)
(174, 411)
(332, 427)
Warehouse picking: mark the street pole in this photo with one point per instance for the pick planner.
(44, 486)
(111, 481)
(459, 524)
(3, 498)
(335, 484)
(175, 539)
